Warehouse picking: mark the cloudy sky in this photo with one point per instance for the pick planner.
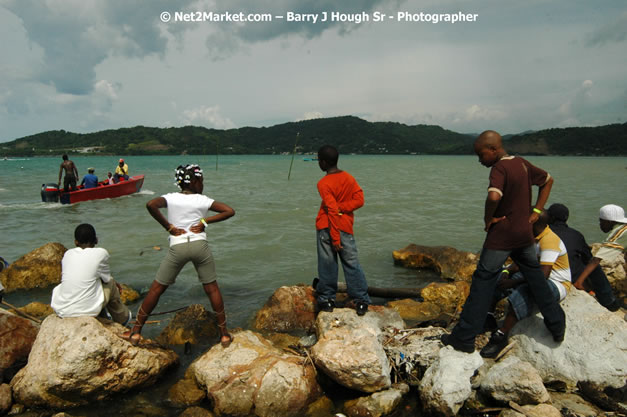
(88, 65)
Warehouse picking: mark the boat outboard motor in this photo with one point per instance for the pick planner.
(49, 193)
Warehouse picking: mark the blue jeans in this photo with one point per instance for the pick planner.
(483, 285)
(328, 268)
(521, 300)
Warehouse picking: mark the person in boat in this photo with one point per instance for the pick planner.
(612, 220)
(90, 180)
(553, 257)
(579, 255)
(71, 174)
(109, 180)
(186, 224)
(87, 287)
(341, 196)
(121, 171)
(508, 219)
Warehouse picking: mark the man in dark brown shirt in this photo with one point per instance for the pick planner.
(508, 219)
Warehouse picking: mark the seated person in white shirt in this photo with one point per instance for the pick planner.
(86, 284)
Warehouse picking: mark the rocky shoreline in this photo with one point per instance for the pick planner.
(297, 362)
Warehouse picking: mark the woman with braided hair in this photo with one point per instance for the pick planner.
(186, 223)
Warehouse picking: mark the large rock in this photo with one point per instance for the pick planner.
(378, 404)
(446, 384)
(515, 380)
(449, 262)
(252, 377)
(196, 412)
(16, 340)
(193, 325)
(414, 351)
(616, 272)
(414, 311)
(37, 269)
(449, 296)
(128, 294)
(288, 309)
(185, 392)
(350, 349)
(594, 349)
(37, 310)
(82, 359)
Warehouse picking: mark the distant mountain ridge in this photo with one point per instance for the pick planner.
(350, 134)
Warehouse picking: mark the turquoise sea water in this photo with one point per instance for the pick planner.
(428, 200)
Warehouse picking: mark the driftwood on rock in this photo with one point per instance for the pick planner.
(380, 292)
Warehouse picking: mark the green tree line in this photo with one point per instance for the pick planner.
(350, 134)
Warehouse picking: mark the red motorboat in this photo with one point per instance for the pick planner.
(50, 193)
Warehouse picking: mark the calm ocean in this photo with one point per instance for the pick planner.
(428, 200)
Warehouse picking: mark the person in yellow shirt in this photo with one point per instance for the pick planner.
(121, 171)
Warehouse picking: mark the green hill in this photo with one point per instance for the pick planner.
(350, 134)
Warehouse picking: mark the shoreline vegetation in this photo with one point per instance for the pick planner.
(350, 134)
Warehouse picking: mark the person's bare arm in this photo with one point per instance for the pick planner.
(491, 203)
(224, 212)
(543, 197)
(154, 207)
(581, 279)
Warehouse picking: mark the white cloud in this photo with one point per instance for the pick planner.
(208, 117)
(310, 115)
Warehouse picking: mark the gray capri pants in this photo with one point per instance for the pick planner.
(197, 252)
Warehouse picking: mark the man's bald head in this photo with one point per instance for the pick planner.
(489, 148)
(490, 139)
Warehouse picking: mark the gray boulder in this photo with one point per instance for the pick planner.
(594, 349)
(350, 350)
(252, 377)
(446, 384)
(515, 380)
(77, 360)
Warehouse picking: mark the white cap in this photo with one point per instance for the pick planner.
(612, 213)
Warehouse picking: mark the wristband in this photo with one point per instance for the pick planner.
(505, 271)
(170, 228)
(202, 220)
(535, 210)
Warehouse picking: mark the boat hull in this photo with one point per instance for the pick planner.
(130, 186)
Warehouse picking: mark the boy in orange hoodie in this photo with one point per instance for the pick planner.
(341, 196)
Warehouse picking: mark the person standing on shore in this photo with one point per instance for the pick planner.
(71, 174)
(186, 223)
(341, 196)
(508, 223)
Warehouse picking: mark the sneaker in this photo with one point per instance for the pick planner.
(450, 340)
(327, 305)
(613, 306)
(497, 342)
(361, 308)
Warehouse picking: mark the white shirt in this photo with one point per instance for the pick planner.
(184, 211)
(80, 292)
